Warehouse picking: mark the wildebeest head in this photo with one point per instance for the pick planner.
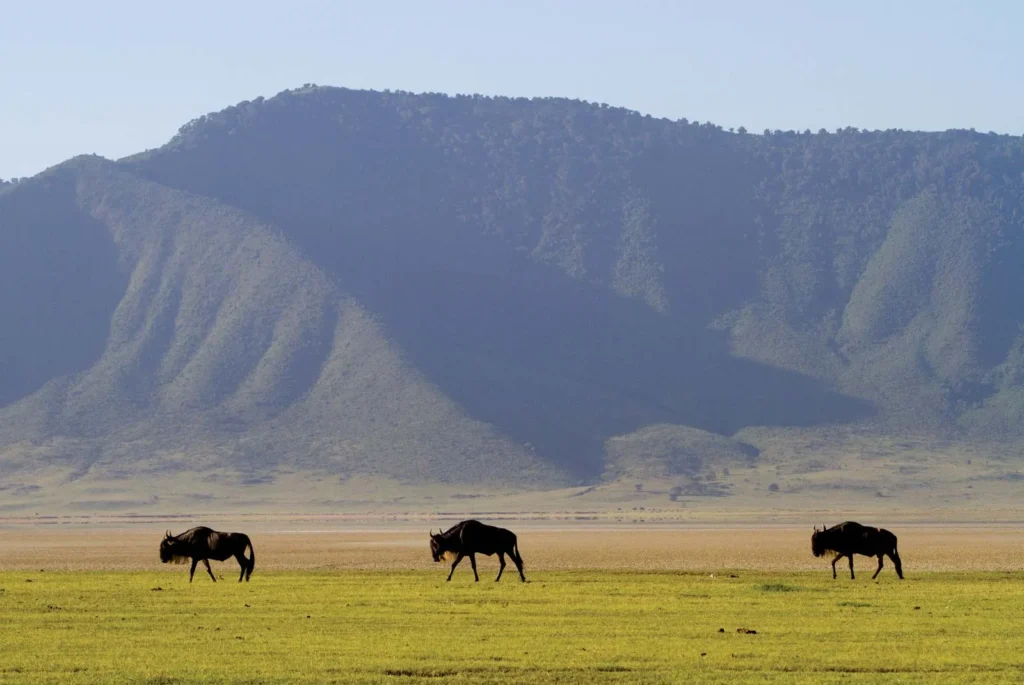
(818, 546)
(436, 549)
(439, 548)
(168, 550)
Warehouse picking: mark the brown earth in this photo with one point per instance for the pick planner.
(938, 547)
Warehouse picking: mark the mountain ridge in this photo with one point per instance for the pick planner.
(490, 290)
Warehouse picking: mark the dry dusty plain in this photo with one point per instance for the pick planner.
(329, 545)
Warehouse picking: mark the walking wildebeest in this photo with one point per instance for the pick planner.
(203, 544)
(470, 538)
(851, 538)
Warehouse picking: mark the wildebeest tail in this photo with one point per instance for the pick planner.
(515, 547)
(894, 541)
(252, 558)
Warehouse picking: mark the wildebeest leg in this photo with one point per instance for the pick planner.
(472, 562)
(206, 562)
(518, 559)
(195, 562)
(838, 557)
(501, 569)
(244, 563)
(454, 564)
(895, 556)
(850, 557)
(879, 569)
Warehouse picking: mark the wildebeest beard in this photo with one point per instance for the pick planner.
(443, 555)
(819, 544)
(168, 553)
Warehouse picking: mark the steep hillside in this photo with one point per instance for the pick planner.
(219, 347)
(866, 260)
(510, 291)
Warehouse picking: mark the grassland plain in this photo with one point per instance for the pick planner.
(581, 626)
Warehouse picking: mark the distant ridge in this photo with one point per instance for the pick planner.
(502, 291)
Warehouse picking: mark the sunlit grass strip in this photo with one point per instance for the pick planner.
(581, 627)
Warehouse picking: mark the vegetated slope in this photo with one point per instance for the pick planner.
(439, 288)
(223, 348)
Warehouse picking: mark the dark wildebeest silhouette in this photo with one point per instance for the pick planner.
(203, 544)
(851, 538)
(470, 538)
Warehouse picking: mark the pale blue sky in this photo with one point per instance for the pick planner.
(117, 77)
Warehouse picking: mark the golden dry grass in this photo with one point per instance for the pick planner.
(767, 548)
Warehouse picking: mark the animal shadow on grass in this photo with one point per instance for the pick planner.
(419, 673)
(778, 587)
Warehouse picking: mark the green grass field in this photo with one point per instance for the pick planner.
(566, 627)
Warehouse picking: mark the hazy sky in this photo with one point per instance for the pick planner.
(115, 77)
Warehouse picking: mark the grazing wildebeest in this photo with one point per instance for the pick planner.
(470, 538)
(203, 544)
(851, 538)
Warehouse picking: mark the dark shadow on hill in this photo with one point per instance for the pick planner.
(563, 367)
(548, 360)
(59, 285)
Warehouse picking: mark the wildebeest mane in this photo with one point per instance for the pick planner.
(191, 536)
(453, 531)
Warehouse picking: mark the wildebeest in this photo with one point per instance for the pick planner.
(851, 538)
(203, 544)
(470, 538)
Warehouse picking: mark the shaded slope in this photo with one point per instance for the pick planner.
(536, 318)
(228, 347)
(59, 284)
(472, 289)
